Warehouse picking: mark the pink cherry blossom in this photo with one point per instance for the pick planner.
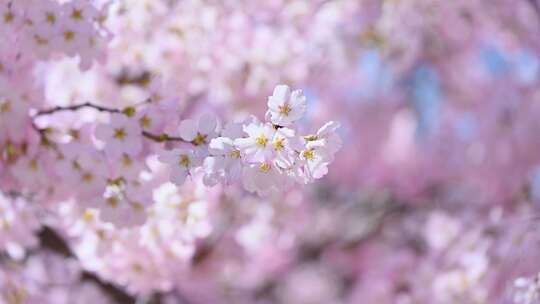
(286, 107)
(121, 135)
(182, 162)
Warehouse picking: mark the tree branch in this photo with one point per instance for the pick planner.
(75, 108)
(43, 132)
(51, 240)
(536, 6)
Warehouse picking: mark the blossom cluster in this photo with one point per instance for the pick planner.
(41, 29)
(266, 156)
(19, 223)
(105, 167)
(527, 290)
(118, 186)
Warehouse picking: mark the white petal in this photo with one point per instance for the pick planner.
(243, 143)
(169, 157)
(178, 176)
(253, 129)
(207, 123)
(328, 127)
(188, 129)
(233, 130)
(298, 100)
(279, 96)
(220, 145)
(103, 132)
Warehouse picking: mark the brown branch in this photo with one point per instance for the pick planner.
(536, 6)
(128, 111)
(75, 108)
(51, 240)
(161, 137)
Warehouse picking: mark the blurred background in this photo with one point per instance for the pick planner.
(432, 199)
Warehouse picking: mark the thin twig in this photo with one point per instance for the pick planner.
(162, 137)
(43, 132)
(77, 107)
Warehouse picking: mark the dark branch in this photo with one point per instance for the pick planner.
(162, 137)
(77, 107)
(51, 240)
(536, 6)
(128, 111)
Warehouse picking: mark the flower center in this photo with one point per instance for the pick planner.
(199, 139)
(5, 107)
(51, 18)
(137, 268)
(184, 161)
(76, 14)
(87, 177)
(69, 35)
(285, 109)
(126, 160)
(33, 165)
(309, 154)
(8, 17)
(264, 167)
(279, 144)
(88, 216)
(261, 140)
(119, 133)
(11, 150)
(235, 153)
(145, 121)
(40, 41)
(112, 202)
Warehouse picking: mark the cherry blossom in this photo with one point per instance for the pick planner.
(257, 146)
(182, 162)
(306, 151)
(121, 135)
(200, 132)
(286, 107)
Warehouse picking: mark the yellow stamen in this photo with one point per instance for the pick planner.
(285, 110)
(145, 121)
(51, 18)
(137, 206)
(126, 160)
(264, 167)
(88, 177)
(309, 154)
(5, 107)
(40, 41)
(69, 35)
(261, 140)
(279, 144)
(76, 14)
(129, 111)
(112, 202)
(119, 134)
(8, 17)
(137, 268)
(75, 164)
(11, 151)
(75, 134)
(33, 165)
(235, 153)
(199, 139)
(88, 215)
(184, 161)
(101, 234)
